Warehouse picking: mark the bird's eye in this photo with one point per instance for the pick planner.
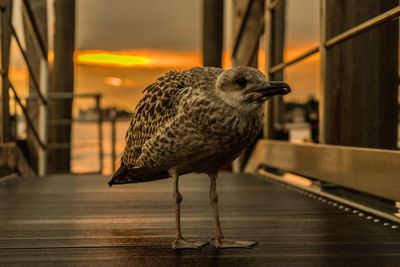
(242, 82)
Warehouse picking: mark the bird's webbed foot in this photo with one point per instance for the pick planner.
(229, 243)
(181, 243)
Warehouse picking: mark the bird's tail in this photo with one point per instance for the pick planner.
(126, 174)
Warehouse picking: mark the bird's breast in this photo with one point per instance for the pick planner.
(229, 130)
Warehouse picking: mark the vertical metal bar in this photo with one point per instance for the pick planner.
(275, 44)
(5, 35)
(100, 131)
(268, 122)
(322, 50)
(213, 11)
(113, 139)
(43, 118)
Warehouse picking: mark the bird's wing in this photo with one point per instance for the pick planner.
(159, 104)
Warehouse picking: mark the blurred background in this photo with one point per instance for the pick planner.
(121, 48)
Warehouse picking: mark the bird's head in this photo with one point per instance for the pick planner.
(247, 89)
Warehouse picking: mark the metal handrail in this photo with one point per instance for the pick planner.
(66, 95)
(29, 66)
(299, 58)
(40, 83)
(27, 118)
(64, 145)
(362, 27)
(356, 30)
(35, 28)
(70, 95)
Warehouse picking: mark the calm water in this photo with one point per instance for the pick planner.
(85, 149)
(85, 152)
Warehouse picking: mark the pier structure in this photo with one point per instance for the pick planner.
(331, 202)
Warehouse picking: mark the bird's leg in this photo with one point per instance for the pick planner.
(180, 242)
(214, 203)
(219, 241)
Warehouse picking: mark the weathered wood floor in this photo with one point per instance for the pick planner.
(70, 220)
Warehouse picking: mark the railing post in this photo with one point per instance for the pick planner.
(113, 116)
(43, 118)
(322, 50)
(5, 35)
(275, 38)
(213, 11)
(100, 131)
(268, 120)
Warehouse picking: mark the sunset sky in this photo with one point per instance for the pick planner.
(122, 49)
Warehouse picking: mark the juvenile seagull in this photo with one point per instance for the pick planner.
(195, 120)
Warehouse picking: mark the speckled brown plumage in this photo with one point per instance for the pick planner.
(182, 123)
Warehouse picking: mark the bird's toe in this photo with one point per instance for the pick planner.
(228, 243)
(181, 243)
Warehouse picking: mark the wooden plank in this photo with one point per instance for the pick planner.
(361, 77)
(74, 220)
(213, 18)
(372, 171)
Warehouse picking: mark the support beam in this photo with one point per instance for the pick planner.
(62, 81)
(361, 80)
(248, 27)
(247, 31)
(275, 25)
(36, 53)
(5, 134)
(213, 19)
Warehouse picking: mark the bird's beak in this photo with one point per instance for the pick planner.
(274, 88)
(264, 92)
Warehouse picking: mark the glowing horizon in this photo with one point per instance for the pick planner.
(148, 58)
(138, 58)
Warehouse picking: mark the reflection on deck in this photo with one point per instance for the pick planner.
(77, 220)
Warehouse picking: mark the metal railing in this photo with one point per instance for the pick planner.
(40, 83)
(325, 43)
(267, 26)
(304, 159)
(99, 120)
(365, 26)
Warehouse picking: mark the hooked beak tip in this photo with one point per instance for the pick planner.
(274, 88)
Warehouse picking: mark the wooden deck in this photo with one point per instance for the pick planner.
(68, 220)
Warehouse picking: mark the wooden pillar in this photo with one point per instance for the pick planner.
(275, 25)
(62, 81)
(360, 77)
(213, 11)
(6, 7)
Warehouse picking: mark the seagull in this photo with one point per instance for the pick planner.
(195, 120)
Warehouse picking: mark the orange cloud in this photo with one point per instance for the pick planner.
(138, 58)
